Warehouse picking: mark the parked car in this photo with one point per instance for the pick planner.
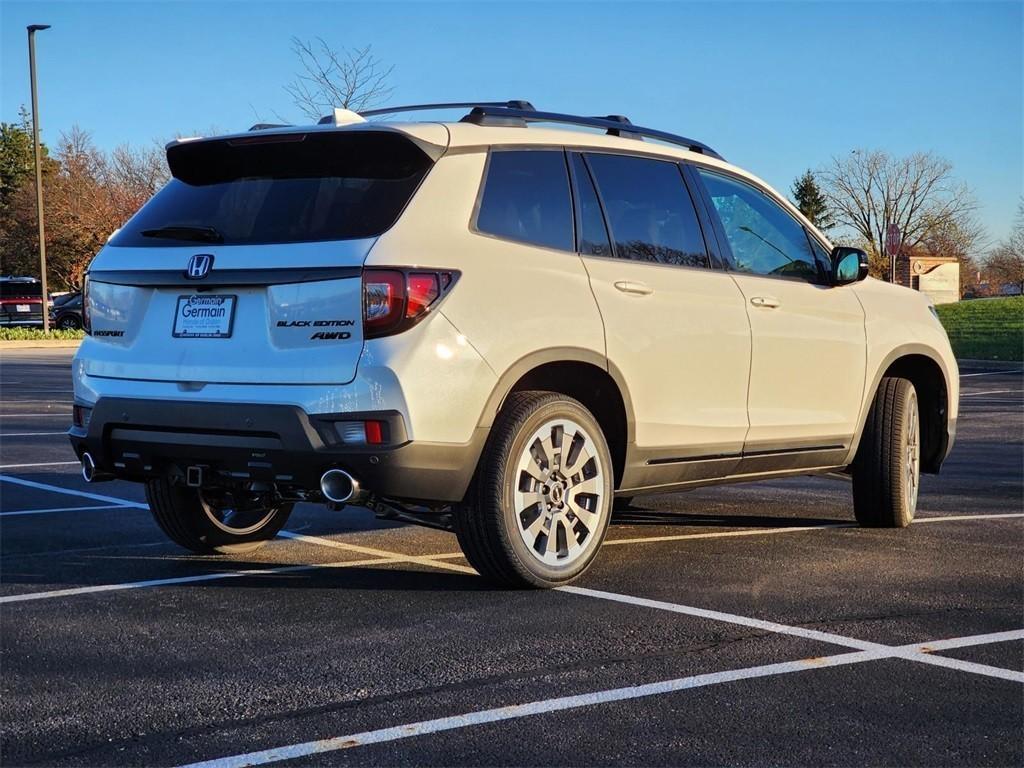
(66, 314)
(21, 301)
(493, 327)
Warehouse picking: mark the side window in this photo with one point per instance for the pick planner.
(823, 257)
(764, 238)
(649, 210)
(526, 198)
(593, 234)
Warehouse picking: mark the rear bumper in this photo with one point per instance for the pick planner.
(137, 439)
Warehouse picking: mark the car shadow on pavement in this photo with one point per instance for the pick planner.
(633, 515)
(126, 569)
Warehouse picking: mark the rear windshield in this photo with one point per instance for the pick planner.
(280, 189)
(17, 289)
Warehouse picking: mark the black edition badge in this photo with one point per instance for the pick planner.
(315, 323)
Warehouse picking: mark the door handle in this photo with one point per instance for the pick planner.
(635, 289)
(768, 302)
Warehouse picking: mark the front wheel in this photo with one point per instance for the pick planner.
(69, 323)
(540, 503)
(887, 468)
(208, 522)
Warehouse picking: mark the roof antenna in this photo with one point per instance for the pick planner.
(340, 117)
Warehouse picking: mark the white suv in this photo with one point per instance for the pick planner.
(493, 327)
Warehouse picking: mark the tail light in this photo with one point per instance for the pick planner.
(86, 313)
(396, 299)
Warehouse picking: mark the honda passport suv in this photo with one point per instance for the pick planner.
(493, 327)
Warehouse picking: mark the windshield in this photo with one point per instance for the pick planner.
(280, 189)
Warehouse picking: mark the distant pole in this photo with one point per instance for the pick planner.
(32, 29)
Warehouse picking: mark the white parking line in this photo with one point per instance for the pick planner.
(991, 392)
(50, 400)
(64, 509)
(32, 415)
(911, 653)
(30, 434)
(962, 642)
(70, 492)
(41, 464)
(951, 518)
(728, 618)
(27, 597)
(991, 373)
(547, 706)
(428, 560)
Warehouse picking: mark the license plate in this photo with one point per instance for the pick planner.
(204, 317)
(22, 308)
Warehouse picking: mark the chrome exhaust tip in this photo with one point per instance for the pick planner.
(339, 486)
(90, 472)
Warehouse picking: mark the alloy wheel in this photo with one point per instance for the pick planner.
(233, 515)
(559, 493)
(913, 454)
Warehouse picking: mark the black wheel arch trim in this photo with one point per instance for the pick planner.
(908, 350)
(508, 379)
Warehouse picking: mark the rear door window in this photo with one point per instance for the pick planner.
(280, 189)
(592, 234)
(526, 198)
(649, 210)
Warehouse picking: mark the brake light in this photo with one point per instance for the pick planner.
(86, 313)
(424, 288)
(394, 300)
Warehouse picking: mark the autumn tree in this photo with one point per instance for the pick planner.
(869, 190)
(352, 78)
(808, 197)
(88, 195)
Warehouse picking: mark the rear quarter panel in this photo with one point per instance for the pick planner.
(511, 300)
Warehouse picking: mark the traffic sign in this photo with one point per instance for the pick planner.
(892, 239)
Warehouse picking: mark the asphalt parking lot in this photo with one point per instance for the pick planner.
(743, 625)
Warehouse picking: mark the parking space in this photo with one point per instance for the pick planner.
(742, 625)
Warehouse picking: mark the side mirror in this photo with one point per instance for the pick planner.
(848, 265)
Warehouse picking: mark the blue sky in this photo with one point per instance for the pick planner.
(775, 87)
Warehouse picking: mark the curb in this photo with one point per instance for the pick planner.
(41, 344)
(992, 365)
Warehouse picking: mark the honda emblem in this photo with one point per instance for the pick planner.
(199, 266)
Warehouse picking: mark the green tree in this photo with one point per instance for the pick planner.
(18, 233)
(16, 160)
(809, 199)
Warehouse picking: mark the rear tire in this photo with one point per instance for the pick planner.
(887, 467)
(539, 505)
(197, 525)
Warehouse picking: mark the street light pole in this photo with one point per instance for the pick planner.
(32, 29)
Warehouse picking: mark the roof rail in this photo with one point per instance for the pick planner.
(615, 125)
(513, 104)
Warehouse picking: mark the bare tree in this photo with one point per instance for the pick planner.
(869, 190)
(1006, 261)
(135, 174)
(352, 78)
